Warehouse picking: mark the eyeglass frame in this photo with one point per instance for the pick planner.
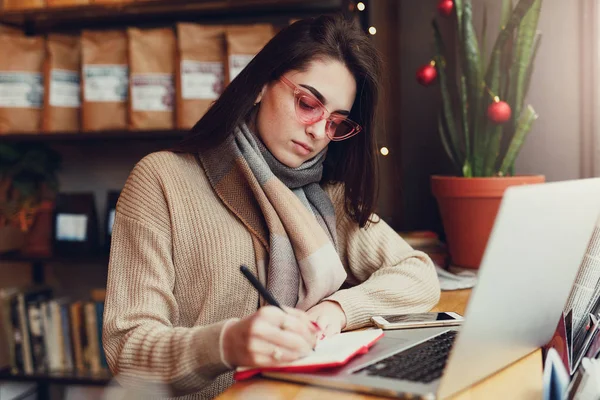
(298, 90)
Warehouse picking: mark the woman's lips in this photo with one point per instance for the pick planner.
(301, 148)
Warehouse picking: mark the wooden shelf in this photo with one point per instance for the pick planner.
(169, 135)
(89, 16)
(96, 255)
(63, 378)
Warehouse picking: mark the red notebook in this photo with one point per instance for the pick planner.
(331, 352)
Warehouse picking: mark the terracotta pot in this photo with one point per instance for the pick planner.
(468, 207)
(11, 239)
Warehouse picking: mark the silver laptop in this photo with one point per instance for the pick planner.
(532, 257)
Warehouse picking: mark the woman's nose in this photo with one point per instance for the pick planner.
(317, 130)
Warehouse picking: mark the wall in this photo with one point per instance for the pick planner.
(554, 145)
(408, 125)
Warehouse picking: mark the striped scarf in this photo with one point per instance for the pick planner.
(290, 217)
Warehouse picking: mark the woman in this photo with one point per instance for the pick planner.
(279, 175)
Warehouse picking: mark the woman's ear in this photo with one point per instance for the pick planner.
(260, 95)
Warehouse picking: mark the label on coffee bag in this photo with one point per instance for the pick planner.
(21, 90)
(65, 88)
(105, 83)
(201, 80)
(237, 62)
(152, 92)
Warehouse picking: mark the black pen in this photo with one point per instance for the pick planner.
(264, 292)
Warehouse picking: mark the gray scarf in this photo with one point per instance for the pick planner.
(303, 263)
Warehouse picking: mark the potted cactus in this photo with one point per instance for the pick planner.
(484, 120)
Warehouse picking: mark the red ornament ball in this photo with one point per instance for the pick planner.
(499, 112)
(445, 7)
(426, 74)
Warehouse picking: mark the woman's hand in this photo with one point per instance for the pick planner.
(329, 316)
(269, 336)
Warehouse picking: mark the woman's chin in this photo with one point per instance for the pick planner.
(291, 160)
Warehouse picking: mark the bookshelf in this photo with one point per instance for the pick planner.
(85, 137)
(37, 263)
(62, 378)
(102, 15)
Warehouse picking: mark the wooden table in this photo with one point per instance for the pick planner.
(521, 380)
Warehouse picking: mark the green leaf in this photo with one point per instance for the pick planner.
(523, 127)
(470, 63)
(446, 99)
(514, 20)
(507, 7)
(466, 170)
(445, 143)
(483, 54)
(471, 57)
(459, 6)
(523, 54)
(493, 149)
(465, 118)
(492, 132)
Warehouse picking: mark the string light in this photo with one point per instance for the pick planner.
(361, 6)
(372, 30)
(384, 151)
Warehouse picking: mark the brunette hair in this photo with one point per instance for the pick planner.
(351, 161)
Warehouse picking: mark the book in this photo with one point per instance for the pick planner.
(99, 321)
(331, 352)
(60, 362)
(78, 335)
(7, 345)
(31, 342)
(91, 326)
(65, 320)
(555, 378)
(36, 336)
(577, 333)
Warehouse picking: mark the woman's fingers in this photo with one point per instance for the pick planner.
(270, 336)
(287, 338)
(301, 323)
(323, 322)
(263, 353)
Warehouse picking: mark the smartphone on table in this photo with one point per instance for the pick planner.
(418, 320)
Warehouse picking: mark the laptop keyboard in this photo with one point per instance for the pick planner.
(422, 363)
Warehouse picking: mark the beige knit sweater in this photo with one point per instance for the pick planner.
(174, 277)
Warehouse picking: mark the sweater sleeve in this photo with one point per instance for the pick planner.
(142, 342)
(389, 277)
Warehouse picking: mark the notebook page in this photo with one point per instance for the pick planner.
(335, 349)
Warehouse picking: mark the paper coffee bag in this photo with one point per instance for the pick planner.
(21, 83)
(105, 78)
(243, 43)
(62, 94)
(152, 54)
(10, 5)
(201, 70)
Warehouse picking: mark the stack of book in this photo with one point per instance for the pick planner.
(42, 334)
(429, 243)
(577, 336)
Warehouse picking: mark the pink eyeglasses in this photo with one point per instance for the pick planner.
(309, 110)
